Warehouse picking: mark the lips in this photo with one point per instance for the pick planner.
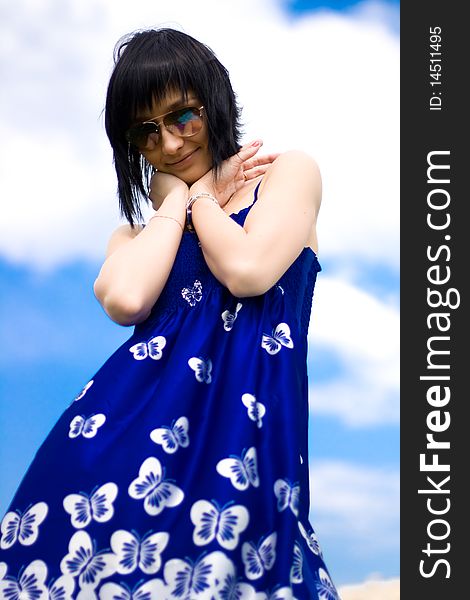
(173, 164)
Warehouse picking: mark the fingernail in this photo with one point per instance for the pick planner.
(257, 143)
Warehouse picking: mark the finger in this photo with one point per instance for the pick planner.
(249, 150)
(255, 172)
(266, 159)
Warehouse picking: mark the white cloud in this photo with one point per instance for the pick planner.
(49, 217)
(325, 83)
(363, 334)
(386, 14)
(356, 506)
(372, 590)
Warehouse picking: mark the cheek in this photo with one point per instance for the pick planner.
(153, 157)
(205, 146)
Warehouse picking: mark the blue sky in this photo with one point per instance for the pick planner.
(339, 59)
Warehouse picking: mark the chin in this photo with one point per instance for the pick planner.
(193, 176)
(190, 178)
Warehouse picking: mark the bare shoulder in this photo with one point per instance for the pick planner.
(122, 235)
(294, 172)
(295, 164)
(297, 157)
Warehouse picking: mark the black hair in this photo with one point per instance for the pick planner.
(148, 64)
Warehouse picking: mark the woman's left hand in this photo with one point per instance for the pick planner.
(234, 172)
(161, 185)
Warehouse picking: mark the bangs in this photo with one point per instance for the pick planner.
(155, 85)
(158, 66)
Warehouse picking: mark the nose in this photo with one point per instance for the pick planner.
(170, 143)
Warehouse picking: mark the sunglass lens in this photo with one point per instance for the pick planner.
(138, 135)
(185, 122)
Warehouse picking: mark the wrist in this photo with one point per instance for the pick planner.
(201, 186)
(158, 216)
(197, 197)
(175, 200)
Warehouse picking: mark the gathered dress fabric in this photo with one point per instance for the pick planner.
(180, 471)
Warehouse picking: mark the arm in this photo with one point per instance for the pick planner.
(139, 261)
(249, 260)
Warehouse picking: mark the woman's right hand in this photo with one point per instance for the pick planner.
(139, 260)
(162, 184)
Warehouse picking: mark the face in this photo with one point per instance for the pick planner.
(186, 158)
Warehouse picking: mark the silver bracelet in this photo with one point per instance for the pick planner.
(189, 204)
(167, 217)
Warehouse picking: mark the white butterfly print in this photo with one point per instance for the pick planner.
(22, 527)
(172, 438)
(311, 539)
(87, 427)
(152, 349)
(83, 562)
(29, 586)
(326, 589)
(3, 570)
(193, 294)
(297, 563)
(241, 471)
(260, 558)
(154, 589)
(98, 506)
(199, 580)
(234, 589)
(224, 525)
(229, 318)
(202, 368)
(256, 410)
(284, 593)
(280, 337)
(133, 553)
(154, 488)
(84, 390)
(287, 495)
(62, 588)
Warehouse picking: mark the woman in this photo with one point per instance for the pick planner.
(181, 469)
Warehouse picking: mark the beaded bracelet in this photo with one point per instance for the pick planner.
(189, 205)
(167, 217)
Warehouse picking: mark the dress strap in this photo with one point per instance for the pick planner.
(255, 195)
(256, 190)
(244, 211)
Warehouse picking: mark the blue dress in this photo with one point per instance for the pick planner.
(180, 471)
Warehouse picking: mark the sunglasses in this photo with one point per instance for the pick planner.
(184, 122)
